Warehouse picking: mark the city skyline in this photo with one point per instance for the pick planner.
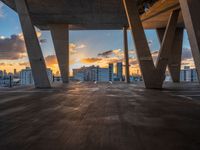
(95, 47)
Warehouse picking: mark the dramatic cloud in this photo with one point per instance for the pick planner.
(74, 48)
(51, 60)
(12, 48)
(110, 53)
(106, 53)
(90, 60)
(26, 64)
(104, 58)
(133, 61)
(81, 46)
(2, 64)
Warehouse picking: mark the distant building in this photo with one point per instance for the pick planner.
(4, 73)
(16, 74)
(1, 74)
(111, 72)
(26, 77)
(103, 75)
(188, 75)
(120, 71)
(94, 73)
(135, 78)
(79, 76)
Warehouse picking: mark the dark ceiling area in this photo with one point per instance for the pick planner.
(144, 5)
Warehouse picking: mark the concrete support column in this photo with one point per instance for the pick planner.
(174, 63)
(175, 56)
(165, 54)
(190, 10)
(33, 48)
(166, 47)
(126, 55)
(60, 36)
(145, 60)
(160, 33)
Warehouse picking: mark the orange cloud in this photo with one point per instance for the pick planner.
(24, 64)
(12, 48)
(51, 60)
(21, 36)
(2, 64)
(90, 60)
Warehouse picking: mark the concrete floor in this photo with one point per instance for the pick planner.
(87, 116)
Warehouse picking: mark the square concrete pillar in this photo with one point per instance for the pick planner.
(60, 36)
(126, 55)
(33, 48)
(191, 15)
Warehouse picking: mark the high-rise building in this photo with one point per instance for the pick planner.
(1, 74)
(15, 72)
(26, 77)
(110, 72)
(4, 73)
(120, 70)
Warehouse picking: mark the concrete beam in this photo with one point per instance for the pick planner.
(142, 50)
(60, 36)
(160, 33)
(126, 55)
(176, 54)
(174, 63)
(33, 48)
(191, 10)
(166, 47)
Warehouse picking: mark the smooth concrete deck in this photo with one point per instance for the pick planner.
(85, 116)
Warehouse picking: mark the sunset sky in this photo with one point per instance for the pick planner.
(86, 47)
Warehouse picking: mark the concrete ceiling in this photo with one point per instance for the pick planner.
(93, 14)
(157, 16)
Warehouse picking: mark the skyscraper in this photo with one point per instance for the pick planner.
(15, 72)
(1, 74)
(119, 70)
(110, 72)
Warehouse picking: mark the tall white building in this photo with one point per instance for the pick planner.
(93, 73)
(26, 77)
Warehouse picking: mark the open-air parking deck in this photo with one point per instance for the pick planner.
(88, 116)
